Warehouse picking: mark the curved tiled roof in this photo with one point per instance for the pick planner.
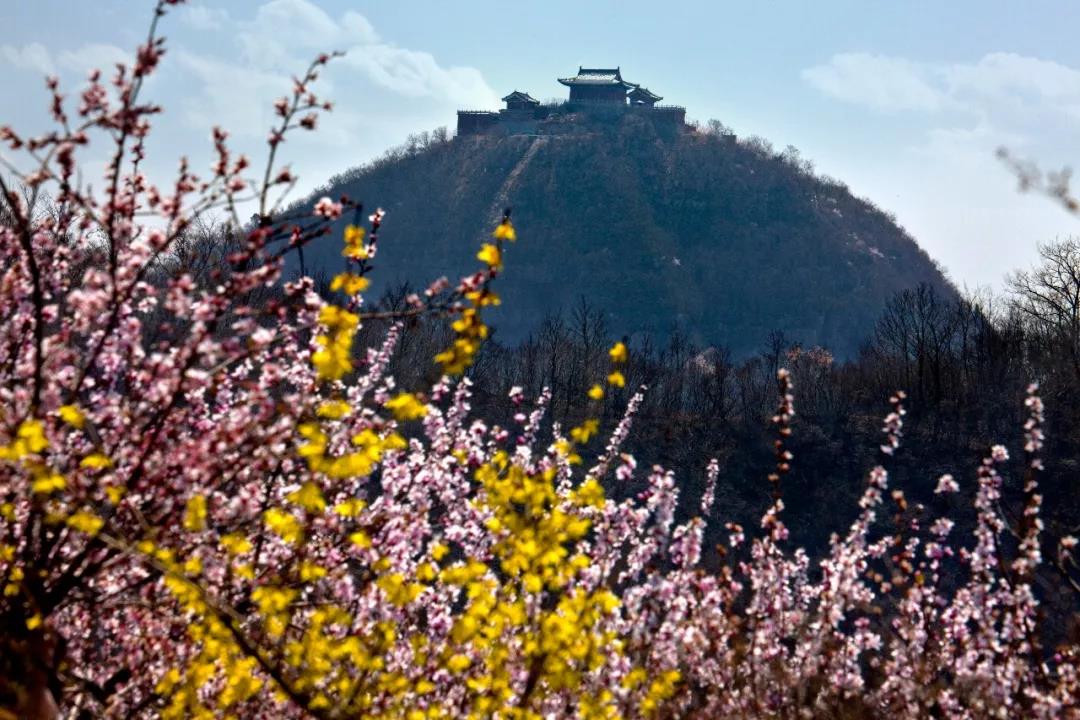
(517, 95)
(597, 76)
(640, 93)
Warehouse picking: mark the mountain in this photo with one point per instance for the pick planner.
(658, 225)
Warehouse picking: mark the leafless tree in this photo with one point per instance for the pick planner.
(1047, 297)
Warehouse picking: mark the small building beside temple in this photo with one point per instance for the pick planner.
(600, 88)
(471, 122)
(642, 97)
(518, 100)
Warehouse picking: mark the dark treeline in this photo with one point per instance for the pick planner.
(963, 363)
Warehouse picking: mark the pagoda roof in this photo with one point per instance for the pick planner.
(640, 93)
(517, 95)
(597, 76)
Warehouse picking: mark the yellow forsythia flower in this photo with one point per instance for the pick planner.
(617, 379)
(490, 255)
(406, 406)
(334, 358)
(483, 298)
(310, 571)
(505, 231)
(350, 508)
(618, 353)
(272, 600)
(309, 497)
(585, 431)
(393, 441)
(334, 409)
(195, 513)
(168, 681)
(235, 544)
(354, 243)
(634, 678)
(193, 566)
(596, 392)
(72, 416)
(351, 283)
(95, 461)
(565, 449)
(458, 663)
(86, 522)
(426, 572)
(29, 439)
(590, 493)
(283, 524)
(336, 318)
(47, 482)
(661, 689)
(32, 432)
(398, 591)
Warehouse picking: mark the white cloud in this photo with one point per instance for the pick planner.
(281, 27)
(34, 57)
(200, 17)
(94, 56)
(997, 84)
(357, 27)
(417, 74)
(878, 81)
(234, 96)
(281, 38)
(998, 75)
(286, 33)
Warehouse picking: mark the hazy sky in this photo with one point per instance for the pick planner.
(904, 101)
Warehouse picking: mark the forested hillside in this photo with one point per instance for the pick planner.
(657, 227)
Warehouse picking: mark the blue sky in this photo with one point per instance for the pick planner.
(904, 101)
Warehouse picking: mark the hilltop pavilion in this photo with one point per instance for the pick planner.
(598, 85)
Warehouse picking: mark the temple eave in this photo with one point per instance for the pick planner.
(589, 82)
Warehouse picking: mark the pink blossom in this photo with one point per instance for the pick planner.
(327, 208)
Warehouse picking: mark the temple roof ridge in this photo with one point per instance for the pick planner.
(598, 76)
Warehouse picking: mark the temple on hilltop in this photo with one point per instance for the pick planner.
(592, 90)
